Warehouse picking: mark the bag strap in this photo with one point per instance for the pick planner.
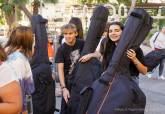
(156, 37)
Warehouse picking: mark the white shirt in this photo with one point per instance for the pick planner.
(21, 66)
(7, 75)
(63, 41)
(98, 46)
(159, 42)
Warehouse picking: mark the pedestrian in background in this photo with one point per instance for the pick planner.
(77, 22)
(157, 42)
(50, 48)
(51, 52)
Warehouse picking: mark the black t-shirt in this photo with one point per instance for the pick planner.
(107, 48)
(69, 55)
(140, 57)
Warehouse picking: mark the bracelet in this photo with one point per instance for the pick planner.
(63, 87)
(137, 63)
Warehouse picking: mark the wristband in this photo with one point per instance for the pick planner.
(137, 63)
(63, 87)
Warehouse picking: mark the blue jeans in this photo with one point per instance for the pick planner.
(161, 67)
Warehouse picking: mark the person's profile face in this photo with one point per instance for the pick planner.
(70, 35)
(50, 39)
(115, 33)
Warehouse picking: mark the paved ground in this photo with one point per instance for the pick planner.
(155, 93)
(154, 90)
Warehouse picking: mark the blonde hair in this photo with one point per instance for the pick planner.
(68, 26)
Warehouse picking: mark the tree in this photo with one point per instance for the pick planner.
(37, 3)
(93, 1)
(11, 9)
(126, 2)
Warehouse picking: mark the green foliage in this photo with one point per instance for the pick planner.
(19, 14)
(102, 1)
(161, 23)
(50, 1)
(2, 1)
(152, 12)
(36, 3)
(16, 2)
(157, 24)
(85, 1)
(93, 1)
(7, 8)
(128, 2)
(163, 11)
(2, 22)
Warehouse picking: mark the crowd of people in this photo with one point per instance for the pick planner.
(16, 74)
(104, 52)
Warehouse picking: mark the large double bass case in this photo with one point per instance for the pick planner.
(44, 95)
(115, 92)
(89, 71)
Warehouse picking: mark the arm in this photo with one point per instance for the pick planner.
(131, 54)
(87, 57)
(65, 91)
(61, 74)
(60, 67)
(96, 54)
(10, 95)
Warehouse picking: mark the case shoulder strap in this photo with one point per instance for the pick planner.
(156, 37)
